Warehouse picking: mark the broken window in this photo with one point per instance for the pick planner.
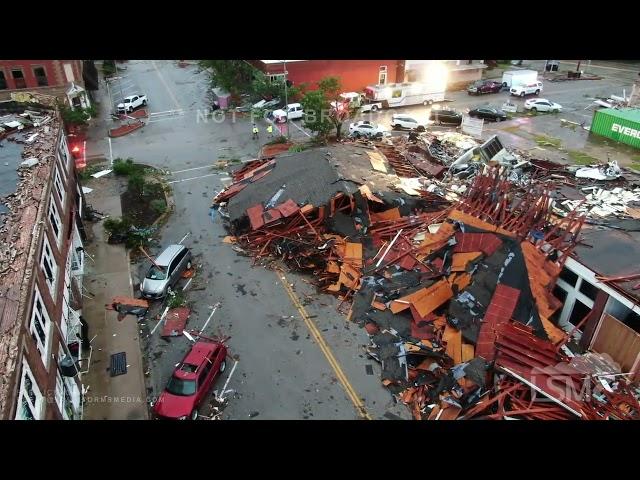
(63, 155)
(623, 313)
(30, 399)
(3, 81)
(18, 78)
(579, 311)
(569, 277)
(54, 219)
(588, 289)
(59, 186)
(49, 267)
(40, 327)
(560, 294)
(41, 76)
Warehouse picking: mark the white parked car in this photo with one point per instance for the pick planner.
(364, 128)
(527, 89)
(403, 121)
(132, 102)
(542, 105)
(293, 111)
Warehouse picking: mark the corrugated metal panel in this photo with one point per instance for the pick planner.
(620, 125)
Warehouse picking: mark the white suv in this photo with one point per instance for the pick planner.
(404, 121)
(365, 128)
(528, 89)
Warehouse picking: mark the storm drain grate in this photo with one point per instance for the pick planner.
(118, 364)
(369, 369)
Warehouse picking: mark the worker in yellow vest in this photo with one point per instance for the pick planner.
(255, 131)
(270, 130)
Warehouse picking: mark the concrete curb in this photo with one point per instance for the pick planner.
(126, 129)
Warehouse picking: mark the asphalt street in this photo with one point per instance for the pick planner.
(297, 357)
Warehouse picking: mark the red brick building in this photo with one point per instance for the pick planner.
(355, 75)
(51, 77)
(41, 276)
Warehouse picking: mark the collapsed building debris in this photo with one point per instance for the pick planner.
(455, 291)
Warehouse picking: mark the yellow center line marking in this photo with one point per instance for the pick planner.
(169, 91)
(324, 347)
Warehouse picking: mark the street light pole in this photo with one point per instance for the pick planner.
(286, 98)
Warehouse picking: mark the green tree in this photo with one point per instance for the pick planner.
(316, 108)
(234, 76)
(331, 88)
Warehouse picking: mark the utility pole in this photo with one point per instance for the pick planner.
(286, 98)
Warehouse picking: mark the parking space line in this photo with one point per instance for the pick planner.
(169, 91)
(324, 347)
(295, 125)
(193, 178)
(184, 238)
(191, 169)
(215, 307)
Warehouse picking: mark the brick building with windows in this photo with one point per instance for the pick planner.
(354, 75)
(60, 78)
(41, 267)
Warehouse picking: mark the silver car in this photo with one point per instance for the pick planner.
(166, 271)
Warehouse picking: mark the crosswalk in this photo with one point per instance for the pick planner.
(165, 115)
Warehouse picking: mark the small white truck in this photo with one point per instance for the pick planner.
(132, 102)
(515, 78)
(357, 100)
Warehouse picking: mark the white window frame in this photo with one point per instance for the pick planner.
(58, 186)
(59, 393)
(382, 75)
(68, 71)
(276, 76)
(63, 161)
(48, 258)
(42, 319)
(35, 406)
(573, 294)
(56, 222)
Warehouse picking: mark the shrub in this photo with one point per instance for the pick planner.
(159, 206)
(117, 226)
(297, 148)
(280, 139)
(177, 299)
(136, 183)
(126, 167)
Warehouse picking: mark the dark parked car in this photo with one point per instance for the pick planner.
(449, 117)
(488, 113)
(487, 86)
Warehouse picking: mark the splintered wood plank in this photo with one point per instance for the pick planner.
(432, 297)
(468, 352)
(377, 162)
(461, 260)
(353, 254)
(391, 214)
(460, 280)
(453, 339)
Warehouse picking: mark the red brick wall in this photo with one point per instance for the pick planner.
(47, 379)
(355, 75)
(53, 69)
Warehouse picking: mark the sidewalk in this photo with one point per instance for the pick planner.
(122, 397)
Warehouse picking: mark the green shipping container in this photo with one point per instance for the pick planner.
(620, 125)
